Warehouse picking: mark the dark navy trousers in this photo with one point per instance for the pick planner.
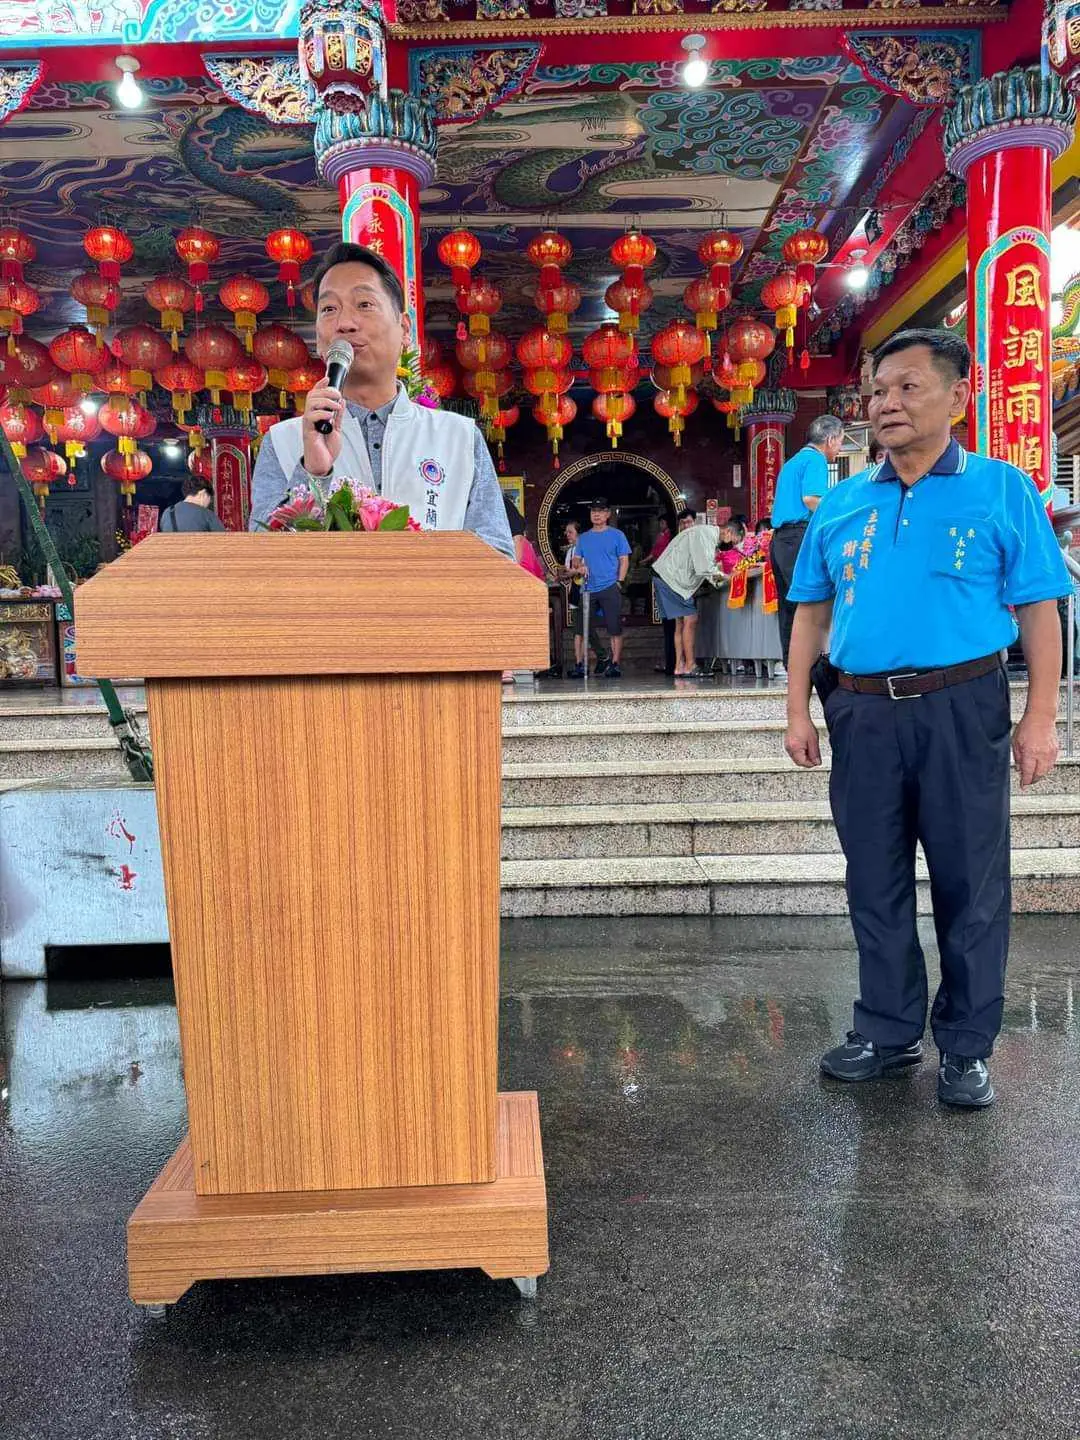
(935, 770)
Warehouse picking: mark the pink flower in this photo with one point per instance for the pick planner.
(300, 507)
(429, 398)
(370, 513)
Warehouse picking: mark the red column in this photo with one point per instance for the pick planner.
(380, 208)
(1003, 136)
(765, 422)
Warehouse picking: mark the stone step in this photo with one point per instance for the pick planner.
(1044, 880)
(655, 740)
(600, 702)
(696, 782)
(579, 832)
(60, 722)
(87, 758)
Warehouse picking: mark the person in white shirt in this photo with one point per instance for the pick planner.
(689, 560)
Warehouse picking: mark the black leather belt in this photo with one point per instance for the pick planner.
(910, 684)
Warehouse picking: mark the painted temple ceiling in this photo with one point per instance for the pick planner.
(770, 145)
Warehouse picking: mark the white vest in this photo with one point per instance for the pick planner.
(427, 460)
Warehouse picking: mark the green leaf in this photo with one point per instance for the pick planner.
(339, 513)
(308, 522)
(344, 499)
(396, 519)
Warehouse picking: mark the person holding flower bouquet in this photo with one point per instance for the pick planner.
(359, 455)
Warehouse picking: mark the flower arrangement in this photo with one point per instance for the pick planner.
(417, 387)
(350, 506)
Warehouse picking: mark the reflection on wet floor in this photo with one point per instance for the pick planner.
(737, 1248)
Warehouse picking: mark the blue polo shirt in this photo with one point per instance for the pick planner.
(806, 473)
(923, 575)
(601, 549)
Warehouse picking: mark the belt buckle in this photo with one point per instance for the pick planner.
(905, 675)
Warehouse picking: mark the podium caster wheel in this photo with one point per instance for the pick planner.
(154, 1312)
(526, 1284)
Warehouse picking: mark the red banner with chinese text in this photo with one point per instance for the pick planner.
(231, 462)
(765, 451)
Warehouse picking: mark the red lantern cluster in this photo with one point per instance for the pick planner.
(182, 379)
(17, 301)
(127, 420)
(16, 250)
(460, 252)
(782, 294)
(26, 365)
(126, 468)
(144, 351)
(214, 349)
(80, 355)
(485, 360)
(612, 357)
(41, 467)
(22, 427)
(109, 248)
(99, 297)
(281, 351)
(556, 297)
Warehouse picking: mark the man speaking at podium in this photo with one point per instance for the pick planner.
(435, 462)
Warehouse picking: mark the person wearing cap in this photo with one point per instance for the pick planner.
(603, 557)
(919, 565)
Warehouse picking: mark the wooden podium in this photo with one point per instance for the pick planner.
(325, 711)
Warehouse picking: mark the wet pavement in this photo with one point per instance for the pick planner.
(737, 1249)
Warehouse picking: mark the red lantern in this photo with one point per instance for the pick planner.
(609, 348)
(720, 250)
(79, 353)
(479, 301)
(26, 367)
(16, 250)
(56, 396)
(443, 379)
(554, 412)
(246, 297)
(459, 252)
(706, 300)
(680, 346)
(280, 350)
(613, 381)
(17, 301)
(302, 378)
(750, 343)
(109, 248)
(430, 353)
(117, 380)
(558, 303)
(662, 376)
(198, 249)
(198, 462)
(21, 426)
(172, 298)
(782, 293)
(730, 408)
(806, 249)
(476, 352)
(290, 249)
(75, 431)
(630, 301)
(633, 253)
(675, 409)
(128, 421)
(127, 468)
(99, 296)
(614, 410)
(182, 380)
(486, 386)
(213, 349)
(244, 381)
(41, 468)
(144, 351)
(549, 252)
(498, 425)
(540, 349)
(307, 295)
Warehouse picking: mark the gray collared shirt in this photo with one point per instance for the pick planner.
(485, 513)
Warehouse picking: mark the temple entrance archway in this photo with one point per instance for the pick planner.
(640, 494)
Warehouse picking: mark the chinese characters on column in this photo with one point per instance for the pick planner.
(1019, 372)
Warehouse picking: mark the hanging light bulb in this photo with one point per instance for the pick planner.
(696, 69)
(858, 275)
(129, 92)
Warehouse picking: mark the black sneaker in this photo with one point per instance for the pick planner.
(577, 673)
(860, 1059)
(964, 1082)
(613, 672)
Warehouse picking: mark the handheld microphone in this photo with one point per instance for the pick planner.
(339, 360)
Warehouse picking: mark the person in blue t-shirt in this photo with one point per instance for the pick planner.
(802, 481)
(918, 567)
(603, 556)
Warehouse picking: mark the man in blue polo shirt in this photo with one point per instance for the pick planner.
(800, 486)
(918, 566)
(603, 553)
